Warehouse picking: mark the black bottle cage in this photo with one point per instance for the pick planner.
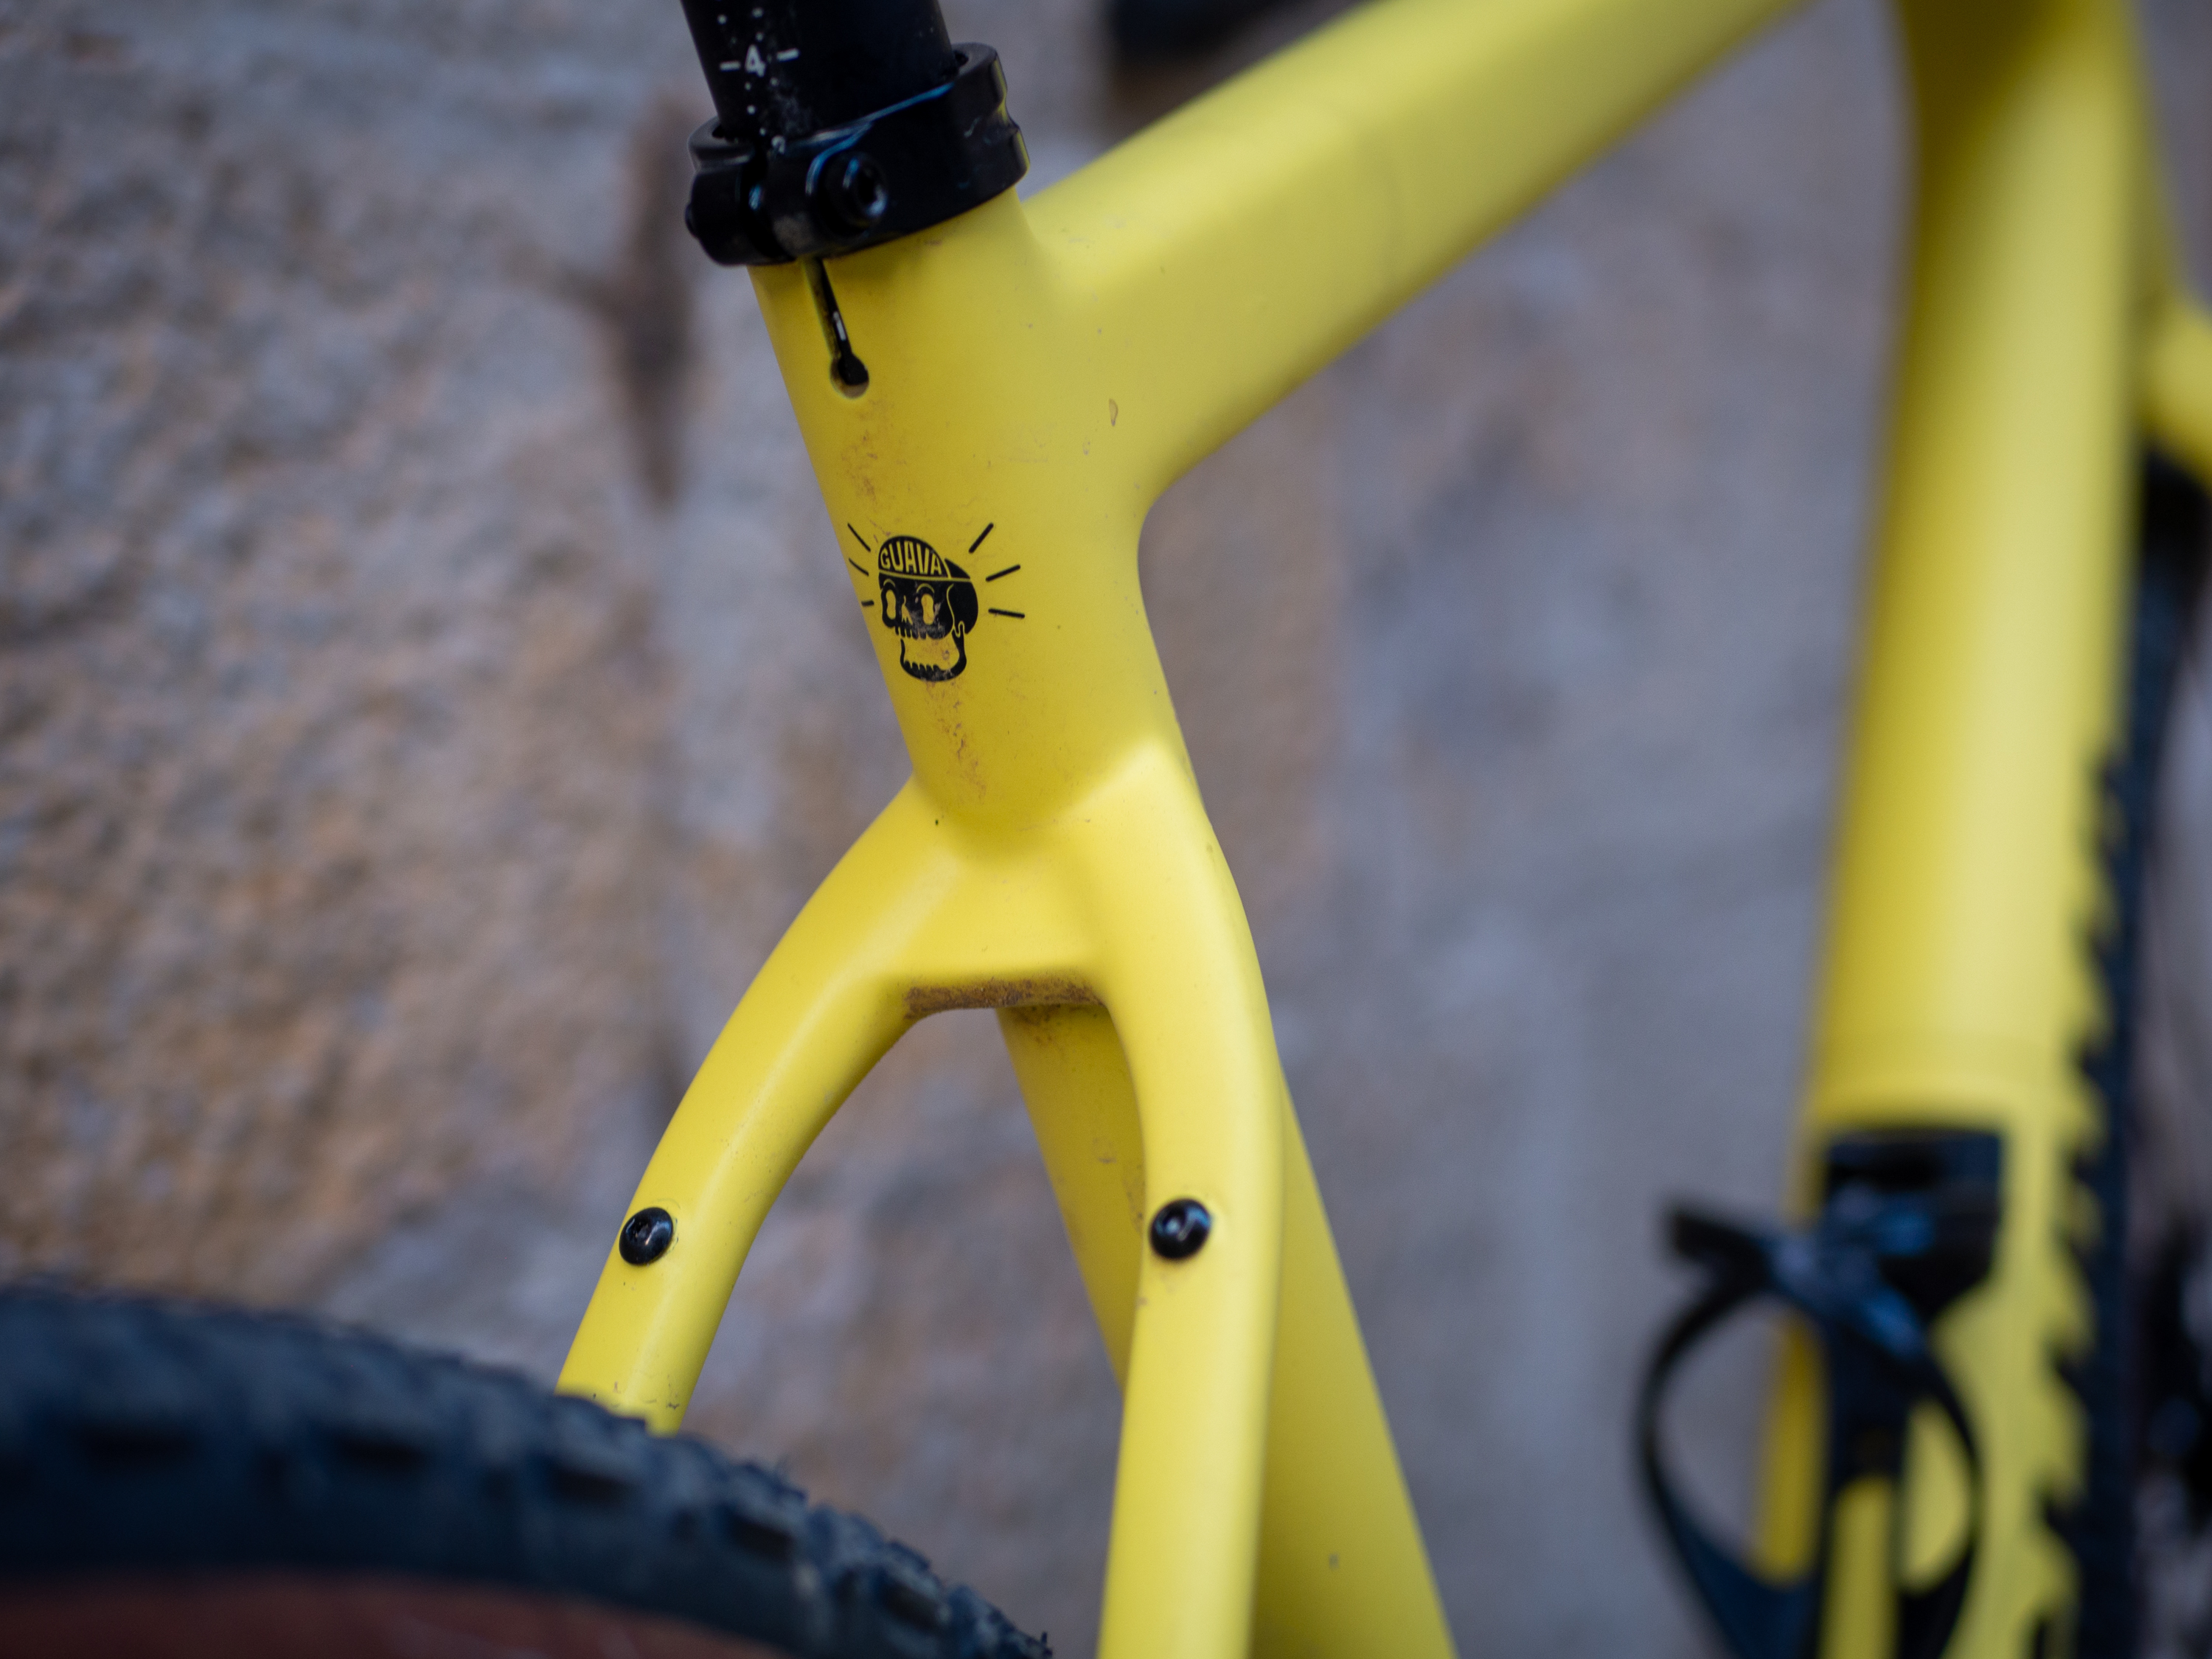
(1867, 1278)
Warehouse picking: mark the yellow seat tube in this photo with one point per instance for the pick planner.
(1342, 1569)
(2177, 391)
(1957, 985)
(1858, 1614)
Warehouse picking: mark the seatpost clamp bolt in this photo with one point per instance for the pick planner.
(646, 1237)
(856, 191)
(1180, 1227)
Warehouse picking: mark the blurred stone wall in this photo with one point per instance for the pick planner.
(427, 687)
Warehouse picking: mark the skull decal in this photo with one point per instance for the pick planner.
(929, 603)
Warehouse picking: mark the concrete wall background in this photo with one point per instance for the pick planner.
(427, 687)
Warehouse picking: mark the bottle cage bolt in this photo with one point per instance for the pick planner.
(1180, 1227)
(646, 1235)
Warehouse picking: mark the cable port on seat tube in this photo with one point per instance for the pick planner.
(847, 371)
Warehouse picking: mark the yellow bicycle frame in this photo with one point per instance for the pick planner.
(2049, 329)
(1038, 374)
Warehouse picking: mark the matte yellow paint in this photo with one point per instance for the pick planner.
(2176, 384)
(1083, 1108)
(1933, 1528)
(1957, 985)
(1787, 1527)
(1038, 374)
(1858, 1620)
(1342, 1567)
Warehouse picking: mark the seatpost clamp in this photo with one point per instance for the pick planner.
(840, 124)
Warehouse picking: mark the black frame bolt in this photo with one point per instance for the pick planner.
(646, 1235)
(856, 191)
(1180, 1227)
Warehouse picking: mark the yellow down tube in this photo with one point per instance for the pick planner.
(1034, 376)
(1959, 987)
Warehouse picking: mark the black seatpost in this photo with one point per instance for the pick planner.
(839, 124)
(784, 69)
